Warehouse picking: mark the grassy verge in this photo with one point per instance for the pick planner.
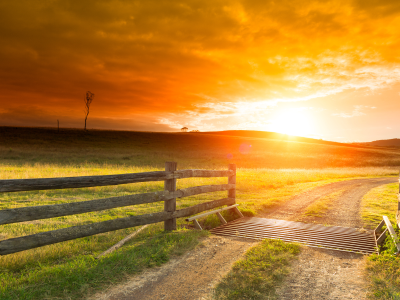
(322, 205)
(258, 274)
(377, 202)
(383, 271)
(77, 276)
(384, 275)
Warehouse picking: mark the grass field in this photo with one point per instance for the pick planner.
(147, 149)
(269, 173)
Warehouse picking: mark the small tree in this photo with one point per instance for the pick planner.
(88, 100)
(184, 129)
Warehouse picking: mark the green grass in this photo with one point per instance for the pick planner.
(259, 273)
(377, 202)
(262, 184)
(75, 276)
(322, 205)
(383, 271)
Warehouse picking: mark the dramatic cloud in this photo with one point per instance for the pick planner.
(210, 65)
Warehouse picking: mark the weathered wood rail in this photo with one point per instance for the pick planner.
(168, 195)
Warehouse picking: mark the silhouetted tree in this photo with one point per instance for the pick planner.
(184, 129)
(88, 100)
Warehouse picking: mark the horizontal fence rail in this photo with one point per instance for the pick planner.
(51, 237)
(20, 185)
(32, 213)
(168, 216)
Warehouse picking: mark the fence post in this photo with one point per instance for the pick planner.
(170, 205)
(232, 180)
(398, 204)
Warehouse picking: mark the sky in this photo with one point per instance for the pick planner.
(323, 69)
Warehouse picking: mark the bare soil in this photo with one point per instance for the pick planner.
(317, 274)
(325, 274)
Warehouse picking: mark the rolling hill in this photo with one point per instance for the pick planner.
(384, 143)
(273, 136)
(251, 149)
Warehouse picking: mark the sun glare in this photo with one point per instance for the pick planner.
(293, 122)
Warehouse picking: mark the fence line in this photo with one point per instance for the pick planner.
(168, 216)
(32, 213)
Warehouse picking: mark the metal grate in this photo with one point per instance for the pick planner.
(312, 235)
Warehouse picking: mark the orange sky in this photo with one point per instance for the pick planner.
(324, 69)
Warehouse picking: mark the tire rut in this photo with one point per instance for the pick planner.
(296, 207)
(346, 209)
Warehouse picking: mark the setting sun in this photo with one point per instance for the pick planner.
(293, 122)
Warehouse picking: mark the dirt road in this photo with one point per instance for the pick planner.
(327, 274)
(318, 274)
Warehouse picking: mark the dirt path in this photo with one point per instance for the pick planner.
(346, 210)
(317, 274)
(326, 274)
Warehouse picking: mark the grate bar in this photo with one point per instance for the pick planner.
(299, 225)
(313, 235)
(306, 244)
(303, 239)
(352, 240)
(348, 235)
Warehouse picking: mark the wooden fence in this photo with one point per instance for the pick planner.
(168, 195)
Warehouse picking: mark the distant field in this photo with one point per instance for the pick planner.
(190, 150)
(276, 136)
(269, 173)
